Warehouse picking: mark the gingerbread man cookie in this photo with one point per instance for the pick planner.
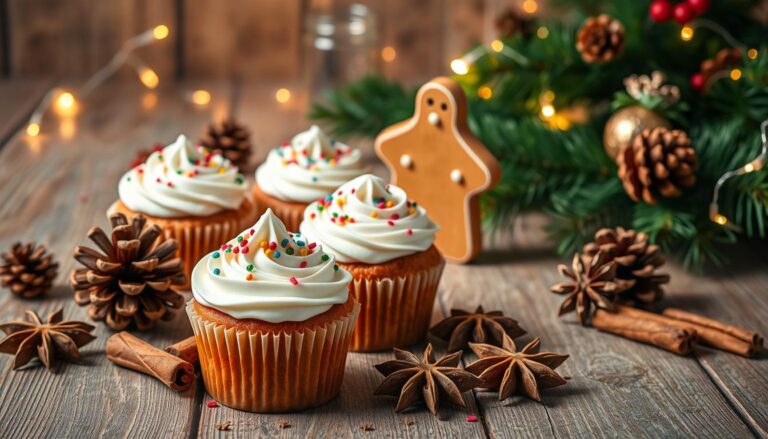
(442, 166)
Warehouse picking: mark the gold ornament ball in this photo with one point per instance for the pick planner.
(627, 122)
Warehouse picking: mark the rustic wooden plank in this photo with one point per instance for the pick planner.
(52, 189)
(18, 100)
(617, 387)
(733, 294)
(66, 38)
(242, 38)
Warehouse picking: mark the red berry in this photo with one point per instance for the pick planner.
(699, 6)
(212, 404)
(697, 81)
(660, 10)
(682, 13)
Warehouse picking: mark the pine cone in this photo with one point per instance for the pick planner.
(600, 39)
(230, 139)
(657, 162)
(509, 23)
(636, 260)
(131, 280)
(27, 270)
(725, 59)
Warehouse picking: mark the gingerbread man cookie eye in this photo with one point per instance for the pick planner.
(444, 106)
(430, 101)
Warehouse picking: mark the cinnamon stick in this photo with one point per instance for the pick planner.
(740, 333)
(704, 335)
(133, 353)
(185, 349)
(671, 338)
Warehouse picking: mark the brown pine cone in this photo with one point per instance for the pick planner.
(130, 279)
(27, 270)
(230, 139)
(600, 39)
(636, 259)
(509, 23)
(657, 162)
(725, 59)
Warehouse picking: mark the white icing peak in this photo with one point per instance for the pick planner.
(308, 167)
(182, 180)
(369, 221)
(270, 274)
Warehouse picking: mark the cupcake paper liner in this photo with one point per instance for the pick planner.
(198, 237)
(395, 311)
(270, 372)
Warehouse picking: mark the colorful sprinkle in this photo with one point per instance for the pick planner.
(246, 250)
(325, 257)
(303, 264)
(312, 215)
(374, 214)
(249, 267)
(269, 252)
(409, 232)
(252, 232)
(249, 277)
(223, 247)
(395, 216)
(216, 255)
(240, 239)
(243, 243)
(390, 203)
(300, 243)
(284, 243)
(303, 251)
(276, 254)
(294, 281)
(335, 267)
(263, 244)
(390, 223)
(472, 418)
(312, 245)
(272, 245)
(236, 250)
(216, 271)
(212, 404)
(289, 251)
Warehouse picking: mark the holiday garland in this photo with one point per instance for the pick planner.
(541, 107)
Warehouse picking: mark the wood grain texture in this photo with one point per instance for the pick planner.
(617, 387)
(52, 191)
(19, 101)
(61, 38)
(242, 38)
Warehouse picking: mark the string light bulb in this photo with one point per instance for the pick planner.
(497, 46)
(283, 95)
(485, 92)
(530, 6)
(735, 74)
(686, 33)
(388, 54)
(542, 32)
(752, 53)
(33, 129)
(160, 32)
(65, 103)
(149, 78)
(548, 111)
(201, 97)
(459, 66)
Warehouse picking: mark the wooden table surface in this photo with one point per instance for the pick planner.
(55, 187)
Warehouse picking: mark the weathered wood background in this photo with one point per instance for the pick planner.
(221, 39)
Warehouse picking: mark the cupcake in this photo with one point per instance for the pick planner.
(273, 320)
(196, 197)
(386, 242)
(307, 168)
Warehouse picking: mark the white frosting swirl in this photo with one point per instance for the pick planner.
(308, 167)
(182, 180)
(368, 221)
(269, 274)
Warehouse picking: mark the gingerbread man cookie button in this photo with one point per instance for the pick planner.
(438, 139)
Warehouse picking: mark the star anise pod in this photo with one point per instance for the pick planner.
(479, 326)
(592, 280)
(509, 371)
(411, 379)
(48, 341)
